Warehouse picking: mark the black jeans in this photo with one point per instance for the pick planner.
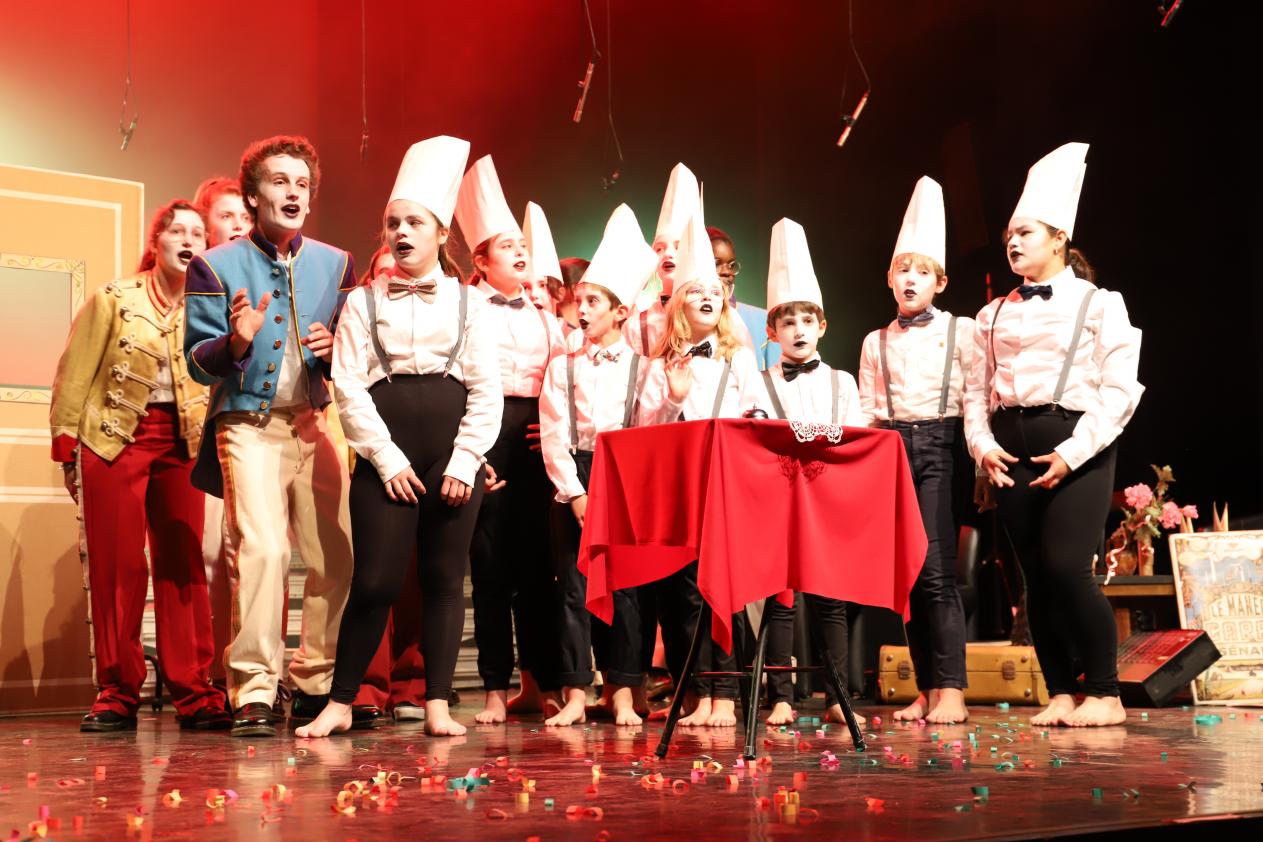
(423, 414)
(936, 631)
(618, 647)
(511, 563)
(1055, 535)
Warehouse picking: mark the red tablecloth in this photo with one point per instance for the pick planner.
(759, 510)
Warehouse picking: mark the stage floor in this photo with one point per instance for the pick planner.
(914, 782)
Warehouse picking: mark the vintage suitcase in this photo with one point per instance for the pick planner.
(998, 672)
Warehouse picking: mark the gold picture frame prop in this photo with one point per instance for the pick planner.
(42, 296)
(1219, 589)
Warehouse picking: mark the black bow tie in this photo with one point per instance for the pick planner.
(500, 301)
(919, 319)
(603, 354)
(703, 350)
(1027, 291)
(792, 370)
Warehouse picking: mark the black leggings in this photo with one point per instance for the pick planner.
(423, 413)
(511, 565)
(1055, 535)
(831, 618)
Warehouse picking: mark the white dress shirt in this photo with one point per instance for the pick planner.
(417, 338)
(528, 338)
(743, 390)
(291, 380)
(600, 396)
(1031, 340)
(916, 356)
(809, 396)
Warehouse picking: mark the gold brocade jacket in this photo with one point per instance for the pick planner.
(110, 367)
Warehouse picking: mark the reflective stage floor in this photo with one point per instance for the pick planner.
(1153, 776)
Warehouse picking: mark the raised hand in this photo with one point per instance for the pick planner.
(679, 378)
(245, 319)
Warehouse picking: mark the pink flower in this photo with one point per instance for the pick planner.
(1189, 512)
(1138, 496)
(1172, 516)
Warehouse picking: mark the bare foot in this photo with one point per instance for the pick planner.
(950, 707)
(573, 711)
(723, 714)
(623, 704)
(1058, 709)
(917, 710)
(782, 714)
(334, 719)
(493, 710)
(1097, 711)
(528, 699)
(700, 714)
(438, 720)
(834, 714)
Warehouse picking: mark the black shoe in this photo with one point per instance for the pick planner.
(254, 720)
(364, 717)
(206, 719)
(453, 699)
(106, 721)
(283, 694)
(305, 708)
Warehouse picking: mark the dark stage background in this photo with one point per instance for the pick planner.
(747, 93)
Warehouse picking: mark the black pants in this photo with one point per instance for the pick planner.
(618, 647)
(829, 615)
(1055, 535)
(936, 632)
(678, 603)
(510, 561)
(423, 414)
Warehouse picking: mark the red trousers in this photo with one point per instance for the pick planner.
(396, 675)
(145, 493)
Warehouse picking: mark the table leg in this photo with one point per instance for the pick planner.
(836, 685)
(681, 687)
(756, 686)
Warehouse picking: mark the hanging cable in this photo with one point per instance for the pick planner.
(363, 84)
(612, 178)
(125, 130)
(593, 58)
(849, 120)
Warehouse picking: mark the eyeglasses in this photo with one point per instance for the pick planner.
(733, 266)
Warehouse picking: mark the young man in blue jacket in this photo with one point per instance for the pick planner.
(260, 316)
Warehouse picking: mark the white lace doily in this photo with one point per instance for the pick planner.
(806, 431)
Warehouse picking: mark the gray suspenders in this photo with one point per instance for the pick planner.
(644, 332)
(771, 393)
(835, 389)
(1074, 346)
(946, 389)
(370, 300)
(723, 385)
(629, 403)
(371, 304)
(1070, 351)
(947, 368)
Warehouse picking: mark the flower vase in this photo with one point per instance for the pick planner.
(1144, 555)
